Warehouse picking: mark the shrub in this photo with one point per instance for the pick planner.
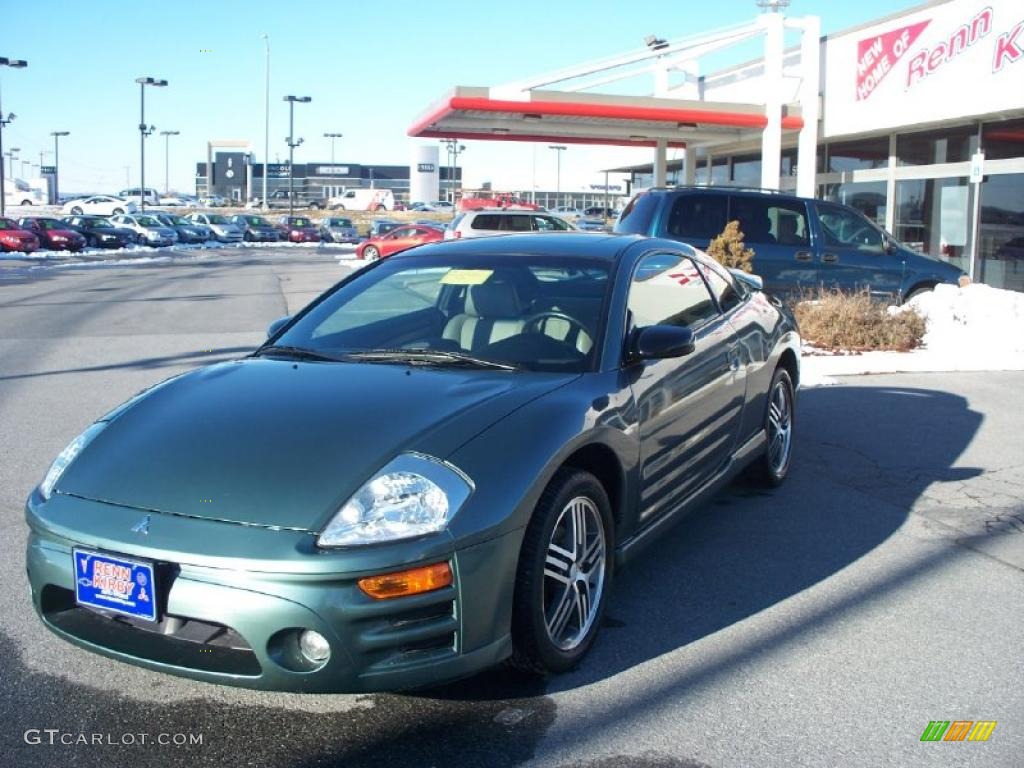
(729, 250)
(834, 320)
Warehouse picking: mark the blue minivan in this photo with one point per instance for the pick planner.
(798, 242)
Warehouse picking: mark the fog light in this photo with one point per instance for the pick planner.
(411, 582)
(314, 646)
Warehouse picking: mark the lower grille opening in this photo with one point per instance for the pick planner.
(176, 641)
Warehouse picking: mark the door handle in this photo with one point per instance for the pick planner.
(829, 258)
(802, 256)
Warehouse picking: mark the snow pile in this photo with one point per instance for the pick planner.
(976, 328)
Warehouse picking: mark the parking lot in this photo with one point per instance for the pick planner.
(823, 623)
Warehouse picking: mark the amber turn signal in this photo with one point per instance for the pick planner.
(412, 582)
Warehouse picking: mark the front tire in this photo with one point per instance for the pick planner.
(118, 211)
(370, 253)
(77, 211)
(773, 466)
(564, 574)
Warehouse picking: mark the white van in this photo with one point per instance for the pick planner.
(18, 192)
(135, 195)
(363, 200)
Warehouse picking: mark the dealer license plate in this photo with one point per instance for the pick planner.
(115, 584)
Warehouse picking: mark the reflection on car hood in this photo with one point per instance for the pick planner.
(282, 443)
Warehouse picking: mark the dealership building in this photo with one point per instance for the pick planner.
(916, 119)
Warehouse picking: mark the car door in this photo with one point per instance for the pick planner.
(853, 253)
(776, 229)
(689, 407)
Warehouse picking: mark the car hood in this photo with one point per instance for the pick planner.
(280, 443)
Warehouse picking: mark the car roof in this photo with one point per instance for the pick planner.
(585, 245)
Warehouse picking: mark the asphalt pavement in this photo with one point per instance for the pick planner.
(822, 624)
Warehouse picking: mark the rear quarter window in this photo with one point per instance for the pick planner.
(638, 216)
(486, 221)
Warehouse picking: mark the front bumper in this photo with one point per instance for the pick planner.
(239, 625)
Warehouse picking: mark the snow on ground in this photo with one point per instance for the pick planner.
(977, 328)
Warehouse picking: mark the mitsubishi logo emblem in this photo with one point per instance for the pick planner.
(142, 526)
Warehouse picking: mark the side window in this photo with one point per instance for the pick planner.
(722, 286)
(843, 228)
(518, 223)
(486, 221)
(667, 289)
(700, 217)
(547, 224)
(766, 220)
(402, 232)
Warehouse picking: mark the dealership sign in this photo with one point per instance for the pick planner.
(946, 61)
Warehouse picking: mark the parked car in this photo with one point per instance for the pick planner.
(298, 229)
(213, 201)
(255, 228)
(436, 206)
(338, 229)
(567, 212)
(381, 226)
(223, 229)
(17, 192)
(14, 238)
(593, 225)
(98, 205)
(136, 195)
(188, 231)
(150, 230)
(555, 404)
(597, 211)
(495, 222)
(363, 200)
(397, 240)
(53, 234)
(279, 199)
(178, 201)
(100, 233)
(797, 242)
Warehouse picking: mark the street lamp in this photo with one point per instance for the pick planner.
(266, 120)
(11, 154)
(14, 64)
(167, 154)
(144, 131)
(332, 137)
(292, 144)
(454, 149)
(559, 148)
(56, 163)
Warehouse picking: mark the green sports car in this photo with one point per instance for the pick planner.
(434, 467)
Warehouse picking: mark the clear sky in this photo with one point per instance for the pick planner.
(371, 69)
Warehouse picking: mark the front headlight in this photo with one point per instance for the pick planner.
(64, 459)
(412, 496)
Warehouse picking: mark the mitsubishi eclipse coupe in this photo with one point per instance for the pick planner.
(434, 467)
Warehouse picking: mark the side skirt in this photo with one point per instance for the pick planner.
(746, 453)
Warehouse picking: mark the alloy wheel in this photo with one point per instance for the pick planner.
(780, 427)
(574, 573)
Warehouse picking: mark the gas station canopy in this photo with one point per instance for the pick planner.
(590, 118)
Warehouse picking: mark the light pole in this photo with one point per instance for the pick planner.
(14, 64)
(144, 132)
(454, 149)
(559, 148)
(167, 155)
(332, 137)
(292, 144)
(56, 163)
(266, 119)
(11, 154)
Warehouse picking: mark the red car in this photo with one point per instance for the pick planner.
(14, 238)
(53, 234)
(398, 239)
(297, 229)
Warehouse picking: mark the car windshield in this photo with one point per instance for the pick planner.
(339, 222)
(300, 222)
(148, 221)
(540, 313)
(218, 219)
(48, 224)
(176, 221)
(97, 224)
(255, 221)
(7, 224)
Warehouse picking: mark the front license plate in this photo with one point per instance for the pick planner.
(115, 584)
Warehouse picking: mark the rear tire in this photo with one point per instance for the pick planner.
(772, 468)
(76, 211)
(564, 574)
(118, 211)
(917, 291)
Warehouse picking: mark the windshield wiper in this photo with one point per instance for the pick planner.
(300, 353)
(429, 356)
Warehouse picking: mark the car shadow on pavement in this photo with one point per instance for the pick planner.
(863, 456)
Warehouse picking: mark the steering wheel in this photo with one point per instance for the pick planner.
(554, 315)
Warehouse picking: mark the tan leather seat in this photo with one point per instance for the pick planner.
(493, 312)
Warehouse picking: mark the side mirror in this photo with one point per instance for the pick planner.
(277, 325)
(890, 246)
(657, 342)
(749, 280)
